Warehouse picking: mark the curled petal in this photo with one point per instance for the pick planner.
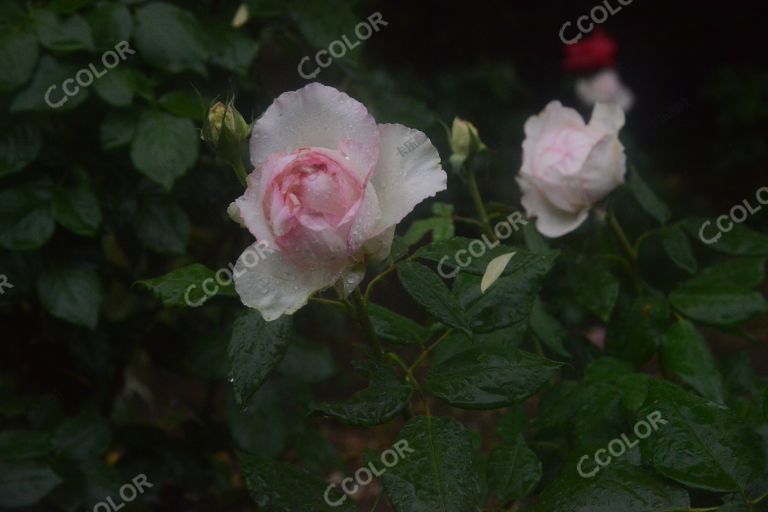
(405, 178)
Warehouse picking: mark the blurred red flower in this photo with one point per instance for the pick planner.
(591, 53)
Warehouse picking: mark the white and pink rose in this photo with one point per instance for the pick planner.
(327, 189)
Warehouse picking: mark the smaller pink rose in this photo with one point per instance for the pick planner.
(568, 165)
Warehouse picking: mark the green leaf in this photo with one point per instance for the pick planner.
(439, 470)
(183, 286)
(738, 241)
(26, 221)
(164, 147)
(441, 225)
(82, 438)
(22, 445)
(489, 377)
(47, 83)
(513, 471)
(717, 305)
(548, 329)
(739, 272)
(619, 487)
(280, 487)
(396, 328)
(510, 300)
(593, 286)
(162, 226)
(686, 355)
(701, 445)
(69, 35)
(385, 397)
(429, 290)
(72, 293)
(24, 485)
(116, 87)
(232, 50)
(111, 23)
(117, 129)
(636, 330)
(648, 200)
(18, 56)
(183, 104)
(169, 38)
(19, 146)
(255, 349)
(446, 252)
(307, 361)
(678, 248)
(77, 209)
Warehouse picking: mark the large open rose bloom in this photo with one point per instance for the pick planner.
(327, 189)
(568, 165)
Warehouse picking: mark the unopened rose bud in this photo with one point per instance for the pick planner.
(223, 117)
(465, 142)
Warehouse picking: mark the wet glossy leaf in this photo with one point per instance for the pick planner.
(385, 397)
(618, 487)
(439, 470)
(255, 349)
(429, 290)
(489, 377)
(686, 355)
(513, 470)
(396, 328)
(702, 444)
(280, 487)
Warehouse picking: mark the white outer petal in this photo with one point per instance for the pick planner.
(551, 221)
(403, 181)
(275, 287)
(317, 116)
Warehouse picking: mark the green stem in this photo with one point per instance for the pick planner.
(631, 253)
(329, 302)
(623, 240)
(375, 280)
(359, 305)
(429, 349)
(242, 176)
(474, 191)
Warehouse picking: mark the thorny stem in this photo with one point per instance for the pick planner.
(359, 305)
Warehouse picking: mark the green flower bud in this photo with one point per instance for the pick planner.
(465, 143)
(225, 130)
(223, 117)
